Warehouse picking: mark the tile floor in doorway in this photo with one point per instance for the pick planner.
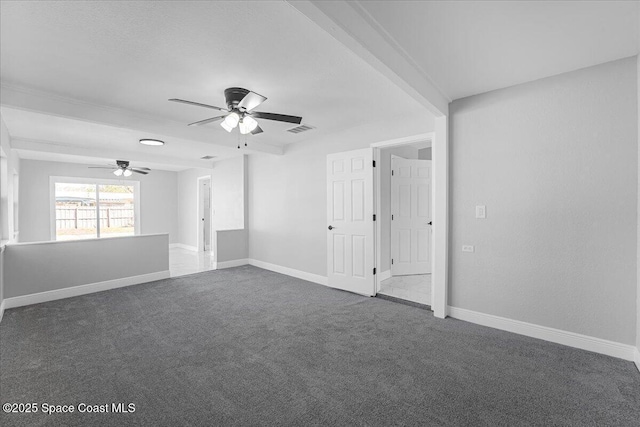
(183, 261)
(416, 288)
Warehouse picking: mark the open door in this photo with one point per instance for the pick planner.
(350, 232)
(410, 216)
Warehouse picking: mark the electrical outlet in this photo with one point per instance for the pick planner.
(467, 248)
(481, 212)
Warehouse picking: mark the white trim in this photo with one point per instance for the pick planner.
(315, 278)
(384, 275)
(636, 357)
(199, 244)
(90, 288)
(61, 242)
(440, 203)
(233, 263)
(183, 246)
(2, 310)
(571, 339)
(422, 137)
(440, 218)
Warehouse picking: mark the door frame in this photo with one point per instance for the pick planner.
(439, 203)
(199, 231)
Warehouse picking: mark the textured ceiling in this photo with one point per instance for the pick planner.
(132, 56)
(471, 47)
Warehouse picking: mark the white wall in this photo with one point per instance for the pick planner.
(555, 161)
(187, 201)
(385, 199)
(10, 223)
(9, 177)
(228, 198)
(287, 195)
(158, 197)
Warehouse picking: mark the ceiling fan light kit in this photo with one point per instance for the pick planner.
(122, 168)
(240, 103)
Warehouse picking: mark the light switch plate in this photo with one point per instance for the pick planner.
(467, 248)
(481, 212)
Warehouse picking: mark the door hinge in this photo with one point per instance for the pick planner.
(374, 163)
(391, 172)
(374, 217)
(374, 271)
(391, 217)
(391, 261)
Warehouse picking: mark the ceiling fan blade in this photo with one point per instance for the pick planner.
(277, 117)
(102, 167)
(257, 130)
(138, 171)
(143, 169)
(251, 101)
(205, 121)
(197, 104)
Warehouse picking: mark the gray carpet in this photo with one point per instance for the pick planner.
(245, 346)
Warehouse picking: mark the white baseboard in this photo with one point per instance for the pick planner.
(183, 246)
(83, 289)
(571, 339)
(636, 358)
(384, 275)
(233, 263)
(315, 278)
(1, 310)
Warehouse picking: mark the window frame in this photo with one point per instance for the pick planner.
(53, 180)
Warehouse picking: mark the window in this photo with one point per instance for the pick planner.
(89, 209)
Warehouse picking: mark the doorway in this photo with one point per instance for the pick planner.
(404, 198)
(204, 214)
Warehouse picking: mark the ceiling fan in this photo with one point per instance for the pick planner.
(239, 112)
(122, 168)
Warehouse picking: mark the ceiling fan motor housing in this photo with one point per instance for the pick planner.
(122, 163)
(233, 96)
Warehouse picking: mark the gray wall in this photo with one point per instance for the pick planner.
(45, 266)
(231, 245)
(385, 199)
(158, 195)
(288, 195)
(555, 161)
(424, 153)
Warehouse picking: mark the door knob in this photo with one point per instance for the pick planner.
(430, 223)
(331, 227)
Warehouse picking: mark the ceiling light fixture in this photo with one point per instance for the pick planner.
(247, 124)
(127, 172)
(230, 122)
(148, 141)
(118, 172)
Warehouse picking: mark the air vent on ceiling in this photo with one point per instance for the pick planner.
(301, 128)
(207, 157)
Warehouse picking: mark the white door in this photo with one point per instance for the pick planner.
(411, 216)
(350, 245)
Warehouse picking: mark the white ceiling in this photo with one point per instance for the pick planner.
(83, 80)
(88, 68)
(471, 47)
